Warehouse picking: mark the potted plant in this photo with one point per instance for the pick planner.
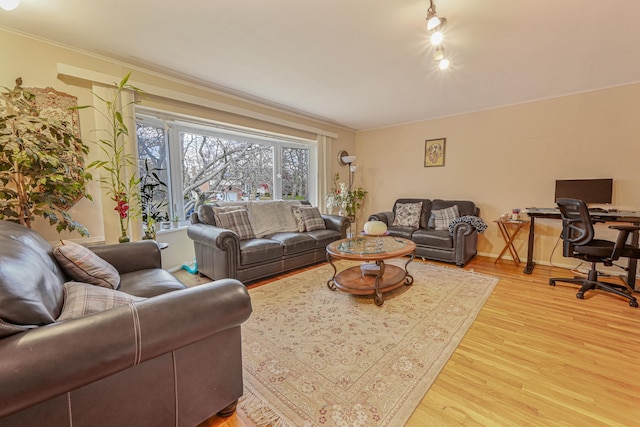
(346, 200)
(122, 190)
(175, 221)
(41, 164)
(152, 197)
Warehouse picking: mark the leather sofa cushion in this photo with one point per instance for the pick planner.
(293, 243)
(259, 250)
(434, 238)
(324, 237)
(404, 232)
(31, 284)
(149, 283)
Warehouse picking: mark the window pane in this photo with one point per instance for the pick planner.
(153, 172)
(295, 173)
(221, 168)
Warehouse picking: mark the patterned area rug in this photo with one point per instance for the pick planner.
(315, 357)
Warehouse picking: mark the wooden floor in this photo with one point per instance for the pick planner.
(536, 355)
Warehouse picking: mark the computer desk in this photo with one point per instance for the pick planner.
(606, 216)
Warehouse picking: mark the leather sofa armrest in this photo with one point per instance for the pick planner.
(212, 236)
(51, 360)
(133, 256)
(337, 222)
(386, 217)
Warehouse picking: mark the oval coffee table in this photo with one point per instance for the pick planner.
(373, 277)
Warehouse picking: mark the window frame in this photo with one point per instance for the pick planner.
(174, 124)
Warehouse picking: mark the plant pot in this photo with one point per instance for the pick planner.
(175, 224)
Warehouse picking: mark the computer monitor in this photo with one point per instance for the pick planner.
(587, 190)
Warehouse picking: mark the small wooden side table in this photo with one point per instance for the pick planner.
(509, 236)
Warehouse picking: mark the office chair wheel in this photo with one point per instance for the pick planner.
(580, 295)
(633, 303)
(552, 282)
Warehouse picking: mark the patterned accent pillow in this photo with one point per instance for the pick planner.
(81, 299)
(408, 215)
(312, 219)
(238, 222)
(217, 210)
(442, 217)
(84, 265)
(297, 214)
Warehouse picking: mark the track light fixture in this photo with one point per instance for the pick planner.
(9, 4)
(435, 25)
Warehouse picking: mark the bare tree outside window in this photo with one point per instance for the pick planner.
(224, 169)
(215, 167)
(295, 173)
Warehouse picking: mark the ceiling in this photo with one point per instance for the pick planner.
(361, 64)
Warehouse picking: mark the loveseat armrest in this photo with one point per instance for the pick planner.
(52, 360)
(386, 217)
(337, 222)
(133, 256)
(211, 235)
(465, 238)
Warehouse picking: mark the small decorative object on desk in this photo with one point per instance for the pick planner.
(375, 228)
(515, 214)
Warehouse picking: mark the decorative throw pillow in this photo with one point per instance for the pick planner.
(84, 265)
(217, 210)
(408, 214)
(312, 219)
(442, 217)
(297, 214)
(81, 299)
(238, 222)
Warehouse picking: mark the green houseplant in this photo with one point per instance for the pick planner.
(124, 191)
(41, 164)
(153, 193)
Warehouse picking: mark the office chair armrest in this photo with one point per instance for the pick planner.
(623, 235)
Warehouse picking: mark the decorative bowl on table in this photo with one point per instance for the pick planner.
(375, 228)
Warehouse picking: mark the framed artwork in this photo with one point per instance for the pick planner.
(434, 152)
(55, 105)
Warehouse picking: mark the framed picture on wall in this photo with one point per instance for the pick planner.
(434, 152)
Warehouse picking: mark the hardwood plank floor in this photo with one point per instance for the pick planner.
(536, 355)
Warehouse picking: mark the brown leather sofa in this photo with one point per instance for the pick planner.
(220, 253)
(171, 359)
(458, 246)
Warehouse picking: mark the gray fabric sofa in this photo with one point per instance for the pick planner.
(458, 246)
(220, 253)
(171, 359)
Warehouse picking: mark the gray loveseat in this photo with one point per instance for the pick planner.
(172, 357)
(277, 246)
(456, 245)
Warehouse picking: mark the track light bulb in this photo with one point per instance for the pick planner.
(438, 55)
(9, 4)
(432, 21)
(437, 38)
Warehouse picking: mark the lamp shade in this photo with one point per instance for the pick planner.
(349, 159)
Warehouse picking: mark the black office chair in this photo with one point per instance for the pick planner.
(578, 236)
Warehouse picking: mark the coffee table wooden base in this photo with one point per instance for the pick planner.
(354, 282)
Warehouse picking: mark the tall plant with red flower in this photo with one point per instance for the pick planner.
(121, 189)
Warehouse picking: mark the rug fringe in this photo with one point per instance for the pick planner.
(254, 408)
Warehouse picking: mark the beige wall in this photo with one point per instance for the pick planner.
(36, 62)
(510, 158)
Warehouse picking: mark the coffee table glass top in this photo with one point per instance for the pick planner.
(370, 245)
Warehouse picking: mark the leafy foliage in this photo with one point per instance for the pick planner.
(41, 164)
(121, 190)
